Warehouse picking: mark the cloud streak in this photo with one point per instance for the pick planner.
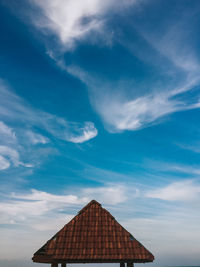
(71, 21)
(24, 207)
(10, 155)
(12, 106)
(20, 208)
(177, 191)
(6, 133)
(4, 163)
(138, 110)
(18, 120)
(36, 138)
(120, 113)
(113, 194)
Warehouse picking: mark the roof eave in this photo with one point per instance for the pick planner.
(49, 259)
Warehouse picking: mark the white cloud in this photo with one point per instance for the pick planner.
(52, 223)
(24, 120)
(4, 163)
(72, 20)
(182, 169)
(138, 110)
(113, 194)
(36, 138)
(67, 131)
(15, 109)
(176, 45)
(178, 191)
(39, 205)
(43, 196)
(6, 133)
(85, 133)
(21, 208)
(172, 167)
(121, 113)
(11, 155)
(194, 146)
(174, 42)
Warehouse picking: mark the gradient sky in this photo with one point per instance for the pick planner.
(100, 100)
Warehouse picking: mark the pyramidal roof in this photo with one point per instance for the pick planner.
(93, 236)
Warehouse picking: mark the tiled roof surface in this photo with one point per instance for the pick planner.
(93, 236)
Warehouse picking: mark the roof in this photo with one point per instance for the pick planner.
(93, 236)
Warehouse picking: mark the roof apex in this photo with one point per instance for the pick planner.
(92, 202)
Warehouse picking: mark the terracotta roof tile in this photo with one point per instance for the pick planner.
(93, 236)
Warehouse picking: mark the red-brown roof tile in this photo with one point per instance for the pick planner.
(93, 236)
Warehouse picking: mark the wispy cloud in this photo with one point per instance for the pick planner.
(4, 163)
(85, 133)
(120, 110)
(171, 167)
(176, 42)
(177, 191)
(194, 146)
(71, 21)
(43, 196)
(15, 108)
(36, 138)
(112, 194)
(24, 119)
(120, 113)
(6, 133)
(21, 208)
(10, 155)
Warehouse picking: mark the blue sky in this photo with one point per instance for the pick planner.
(100, 100)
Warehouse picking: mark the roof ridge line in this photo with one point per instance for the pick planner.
(88, 205)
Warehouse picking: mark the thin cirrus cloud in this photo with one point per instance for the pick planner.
(18, 119)
(120, 113)
(169, 167)
(36, 138)
(69, 24)
(177, 191)
(70, 21)
(9, 155)
(20, 208)
(177, 44)
(11, 148)
(4, 163)
(6, 133)
(12, 106)
(113, 194)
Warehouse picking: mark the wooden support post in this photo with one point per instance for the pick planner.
(130, 264)
(63, 265)
(122, 264)
(54, 265)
